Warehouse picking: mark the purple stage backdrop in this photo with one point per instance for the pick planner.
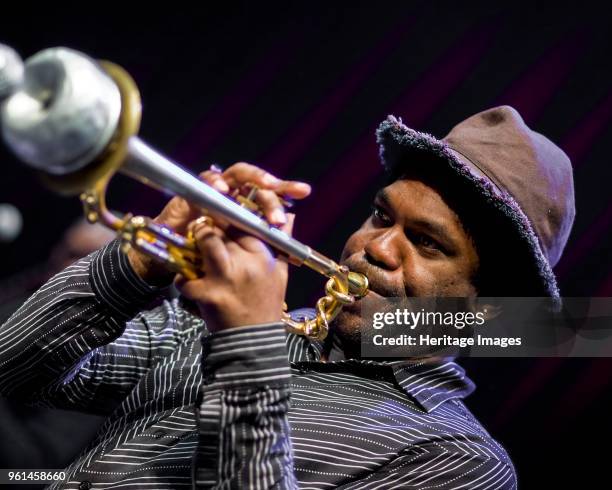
(299, 90)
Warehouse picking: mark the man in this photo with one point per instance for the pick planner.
(280, 411)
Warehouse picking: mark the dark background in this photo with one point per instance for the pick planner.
(299, 90)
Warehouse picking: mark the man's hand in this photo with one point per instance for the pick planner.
(178, 213)
(243, 284)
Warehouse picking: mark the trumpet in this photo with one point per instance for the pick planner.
(75, 120)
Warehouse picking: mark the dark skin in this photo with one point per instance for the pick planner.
(413, 244)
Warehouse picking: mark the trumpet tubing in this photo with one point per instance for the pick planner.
(76, 121)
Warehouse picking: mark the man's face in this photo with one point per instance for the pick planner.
(413, 244)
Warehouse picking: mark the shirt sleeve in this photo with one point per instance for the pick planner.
(79, 342)
(244, 439)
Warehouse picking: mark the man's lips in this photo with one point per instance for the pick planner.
(380, 280)
(373, 287)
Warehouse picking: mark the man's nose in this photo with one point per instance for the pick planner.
(382, 251)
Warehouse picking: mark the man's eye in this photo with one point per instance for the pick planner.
(427, 242)
(380, 216)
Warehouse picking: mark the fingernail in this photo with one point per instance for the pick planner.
(278, 216)
(221, 186)
(303, 186)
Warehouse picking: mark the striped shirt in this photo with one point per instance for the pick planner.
(252, 407)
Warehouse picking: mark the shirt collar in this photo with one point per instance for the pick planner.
(429, 383)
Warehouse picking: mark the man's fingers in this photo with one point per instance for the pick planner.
(293, 189)
(190, 288)
(239, 241)
(267, 196)
(288, 227)
(209, 240)
(270, 205)
(177, 214)
(242, 173)
(215, 180)
(270, 188)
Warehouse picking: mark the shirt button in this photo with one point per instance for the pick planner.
(84, 485)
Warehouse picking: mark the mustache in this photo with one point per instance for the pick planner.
(377, 279)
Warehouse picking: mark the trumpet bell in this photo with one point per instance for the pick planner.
(63, 114)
